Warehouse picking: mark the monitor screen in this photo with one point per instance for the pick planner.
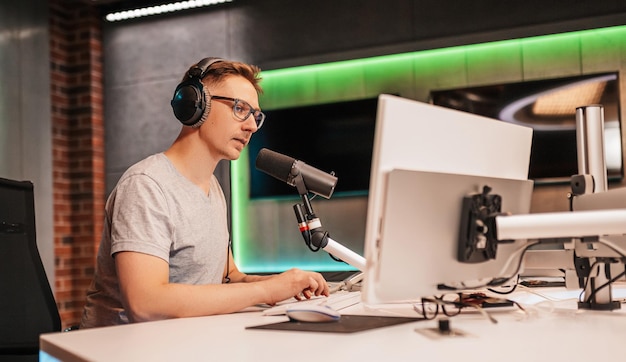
(334, 137)
(417, 136)
(549, 107)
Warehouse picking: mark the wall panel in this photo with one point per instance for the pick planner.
(494, 63)
(557, 57)
(395, 78)
(11, 135)
(144, 61)
(600, 52)
(25, 126)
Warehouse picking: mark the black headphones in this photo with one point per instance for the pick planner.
(189, 102)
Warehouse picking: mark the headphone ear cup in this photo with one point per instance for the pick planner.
(205, 114)
(189, 102)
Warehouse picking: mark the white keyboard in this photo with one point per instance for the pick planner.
(338, 301)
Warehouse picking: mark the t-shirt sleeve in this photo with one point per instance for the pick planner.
(140, 220)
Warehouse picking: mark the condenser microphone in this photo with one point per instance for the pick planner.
(287, 169)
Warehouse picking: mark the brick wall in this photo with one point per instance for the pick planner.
(77, 149)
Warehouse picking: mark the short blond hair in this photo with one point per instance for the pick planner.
(223, 68)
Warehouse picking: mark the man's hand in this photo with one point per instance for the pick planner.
(295, 283)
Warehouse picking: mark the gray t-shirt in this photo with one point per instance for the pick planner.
(155, 210)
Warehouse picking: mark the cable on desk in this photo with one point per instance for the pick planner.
(499, 281)
(505, 292)
(496, 282)
(591, 296)
(547, 298)
(602, 286)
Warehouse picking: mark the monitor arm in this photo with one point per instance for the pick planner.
(484, 227)
(600, 214)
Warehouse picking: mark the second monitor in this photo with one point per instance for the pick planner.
(419, 235)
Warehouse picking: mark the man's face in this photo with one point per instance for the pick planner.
(226, 135)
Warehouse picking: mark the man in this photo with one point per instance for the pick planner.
(165, 245)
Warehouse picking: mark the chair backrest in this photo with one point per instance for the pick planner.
(27, 305)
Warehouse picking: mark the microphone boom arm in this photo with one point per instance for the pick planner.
(314, 236)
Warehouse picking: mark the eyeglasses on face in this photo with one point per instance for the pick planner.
(242, 110)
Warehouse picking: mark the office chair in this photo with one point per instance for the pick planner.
(27, 305)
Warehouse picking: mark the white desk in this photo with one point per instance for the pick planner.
(564, 334)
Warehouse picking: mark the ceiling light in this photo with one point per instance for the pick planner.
(161, 9)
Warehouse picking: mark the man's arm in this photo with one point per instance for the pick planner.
(147, 293)
(236, 276)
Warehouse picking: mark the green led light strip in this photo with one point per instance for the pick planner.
(368, 77)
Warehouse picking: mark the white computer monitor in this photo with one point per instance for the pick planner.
(417, 136)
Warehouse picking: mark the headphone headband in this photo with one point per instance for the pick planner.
(202, 68)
